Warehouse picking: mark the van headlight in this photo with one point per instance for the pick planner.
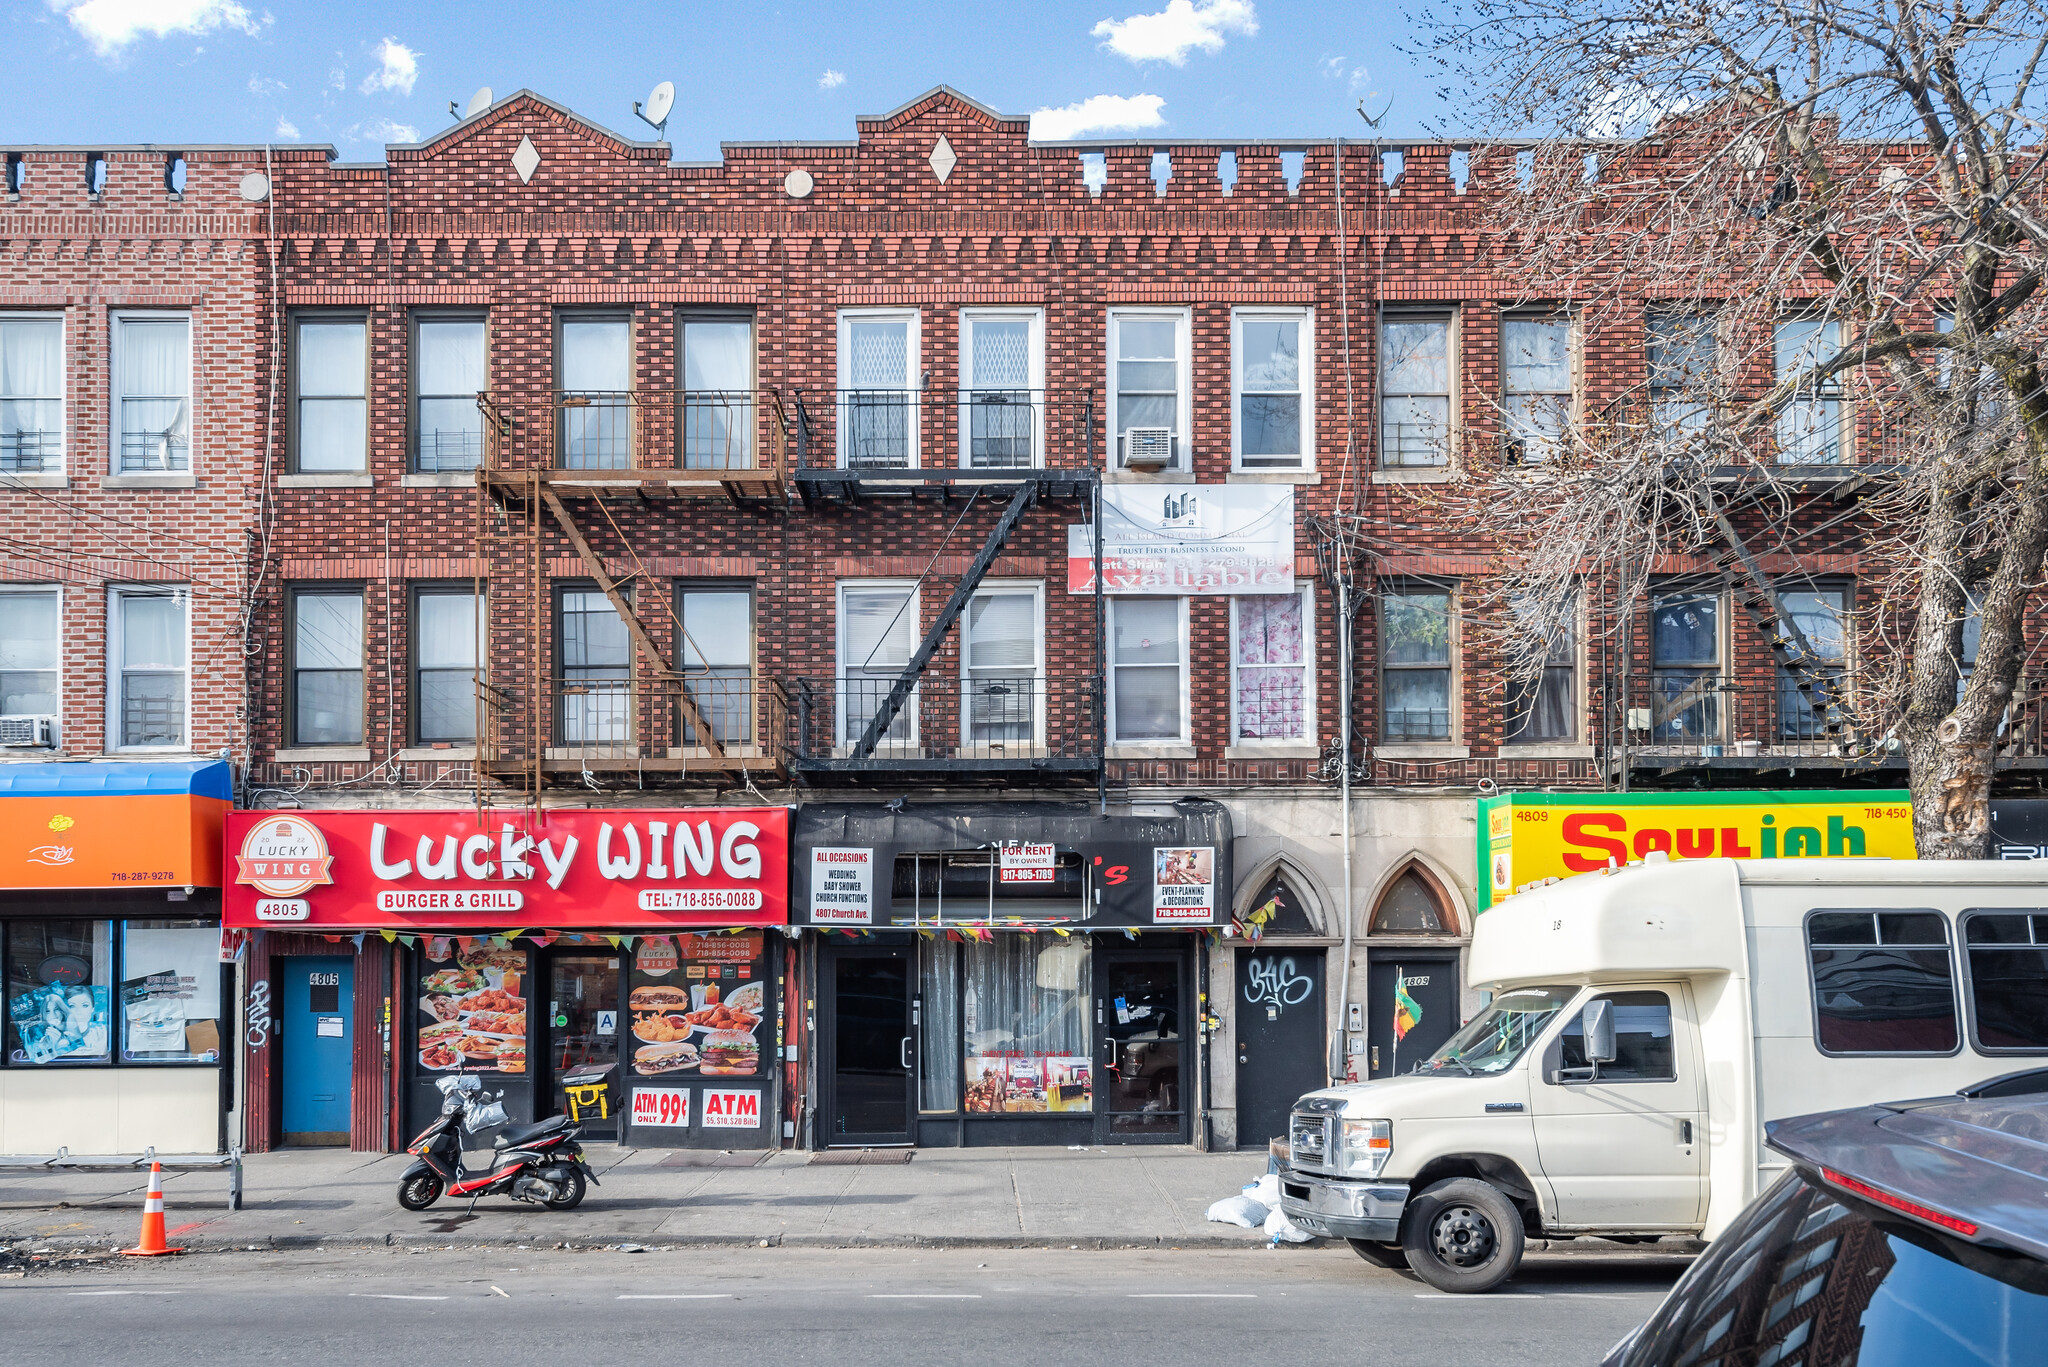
(1364, 1147)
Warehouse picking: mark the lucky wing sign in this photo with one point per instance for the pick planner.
(1188, 539)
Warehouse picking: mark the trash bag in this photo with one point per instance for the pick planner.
(1241, 1211)
(1266, 1191)
(1282, 1230)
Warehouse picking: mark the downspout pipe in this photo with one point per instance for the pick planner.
(1337, 1033)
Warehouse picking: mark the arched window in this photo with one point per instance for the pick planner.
(1412, 905)
(1289, 914)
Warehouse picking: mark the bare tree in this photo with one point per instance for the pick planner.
(1827, 224)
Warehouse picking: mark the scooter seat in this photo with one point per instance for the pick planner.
(525, 1134)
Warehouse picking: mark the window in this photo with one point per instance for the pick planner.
(597, 670)
(1642, 1039)
(718, 660)
(718, 393)
(2008, 954)
(327, 667)
(1002, 664)
(1002, 384)
(31, 393)
(1536, 359)
(1272, 687)
(878, 385)
(1415, 391)
(147, 633)
(152, 393)
(330, 410)
(1411, 905)
(1883, 982)
(29, 653)
(450, 370)
(1820, 616)
(1149, 389)
(170, 992)
(60, 979)
(1682, 363)
(938, 1037)
(1990, 392)
(447, 645)
(1148, 665)
(1025, 1021)
(1810, 423)
(878, 629)
(1415, 664)
(596, 361)
(1685, 666)
(1273, 403)
(1546, 709)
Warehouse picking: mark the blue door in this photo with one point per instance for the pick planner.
(319, 1030)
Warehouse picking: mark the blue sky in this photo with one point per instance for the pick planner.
(363, 74)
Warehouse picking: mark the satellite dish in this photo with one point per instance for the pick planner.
(660, 100)
(255, 187)
(478, 102)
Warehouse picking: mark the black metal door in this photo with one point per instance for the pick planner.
(870, 1064)
(1431, 980)
(1281, 1038)
(1146, 1059)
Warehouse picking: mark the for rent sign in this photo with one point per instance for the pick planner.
(1526, 838)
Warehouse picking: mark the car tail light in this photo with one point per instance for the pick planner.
(1900, 1203)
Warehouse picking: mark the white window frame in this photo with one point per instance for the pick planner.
(1541, 453)
(1306, 318)
(1036, 743)
(1183, 320)
(117, 596)
(843, 739)
(22, 590)
(1035, 379)
(63, 396)
(1310, 703)
(116, 318)
(295, 414)
(1186, 736)
(913, 362)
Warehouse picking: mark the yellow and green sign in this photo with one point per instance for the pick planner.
(1525, 838)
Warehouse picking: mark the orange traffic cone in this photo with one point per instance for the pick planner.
(151, 1244)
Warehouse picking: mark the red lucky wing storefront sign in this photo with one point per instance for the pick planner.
(611, 870)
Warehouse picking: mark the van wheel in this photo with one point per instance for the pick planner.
(1462, 1235)
(1379, 1254)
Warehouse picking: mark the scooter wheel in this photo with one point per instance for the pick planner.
(417, 1193)
(572, 1192)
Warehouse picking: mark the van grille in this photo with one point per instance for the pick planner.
(1308, 1137)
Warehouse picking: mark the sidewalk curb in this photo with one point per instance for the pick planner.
(198, 1242)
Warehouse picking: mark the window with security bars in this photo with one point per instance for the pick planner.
(999, 365)
(29, 653)
(1685, 667)
(1270, 360)
(1415, 390)
(449, 372)
(447, 647)
(1809, 713)
(1002, 666)
(1271, 682)
(147, 630)
(596, 376)
(718, 393)
(1416, 632)
(330, 403)
(1536, 364)
(878, 391)
(1681, 355)
(153, 393)
(1546, 708)
(718, 661)
(31, 393)
(595, 689)
(327, 667)
(1810, 422)
(878, 629)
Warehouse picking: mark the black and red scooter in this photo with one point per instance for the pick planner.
(541, 1163)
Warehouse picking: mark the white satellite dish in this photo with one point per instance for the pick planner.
(255, 187)
(478, 102)
(660, 100)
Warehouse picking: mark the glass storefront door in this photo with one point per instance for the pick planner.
(583, 1034)
(1141, 1012)
(871, 1041)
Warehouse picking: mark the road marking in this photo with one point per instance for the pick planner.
(122, 1293)
(682, 1296)
(390, 1296)
(923, 1296)
(1192, 1296)
(506, 1294)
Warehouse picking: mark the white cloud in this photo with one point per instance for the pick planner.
(265, 87)
(1177, 30)
(110, 25)
(398, 66)
(337, 75)
(1355, 77)
(1098, 114)
(287, 131)
(380, 131)
(832, 80)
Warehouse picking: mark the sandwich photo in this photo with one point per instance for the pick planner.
(660, 997)
(731, 1051)
(677, 1057)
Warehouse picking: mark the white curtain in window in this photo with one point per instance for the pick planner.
(1145, 654)
(152, 632)
(451, 359)
(938, 1045)
(718, 356)
(332, 361)
(448, 644)
(155, 377)
(718, 660)
(31, 358)
(597, 356)
(1001, 649)
(877, 633)
(448, 633)
(28, 631)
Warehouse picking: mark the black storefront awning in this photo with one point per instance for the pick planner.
(1005, 864)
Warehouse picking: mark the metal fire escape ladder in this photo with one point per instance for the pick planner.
(1789, 646)
(1006, 525)
(634, 627)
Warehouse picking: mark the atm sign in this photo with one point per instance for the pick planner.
(731, 1110)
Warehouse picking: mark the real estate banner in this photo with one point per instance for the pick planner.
(1526, 838)
(1188, 539)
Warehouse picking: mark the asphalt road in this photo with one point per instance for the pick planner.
(729, 1306)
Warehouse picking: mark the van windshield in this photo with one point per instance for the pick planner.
(1497, 1036)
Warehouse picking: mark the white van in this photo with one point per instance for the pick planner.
(1645, 1023)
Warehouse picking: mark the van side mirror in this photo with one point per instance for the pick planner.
(1597, 1021)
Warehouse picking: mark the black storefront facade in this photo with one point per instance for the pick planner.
(1005, 972)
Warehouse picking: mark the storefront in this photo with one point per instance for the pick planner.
(110, 944)
(1006, 973)
(623, 966)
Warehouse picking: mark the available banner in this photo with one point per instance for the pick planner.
(1188, 539)
(616, 870)
(1525, 838)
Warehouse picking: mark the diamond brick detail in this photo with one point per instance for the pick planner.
(942, 159)
(526, 161)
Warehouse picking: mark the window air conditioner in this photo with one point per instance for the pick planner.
(1148, 448)
(23, 728)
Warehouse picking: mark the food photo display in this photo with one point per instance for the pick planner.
(697, 1004)
(473, 1010)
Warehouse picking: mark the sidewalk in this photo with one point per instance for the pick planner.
(1022, 1197)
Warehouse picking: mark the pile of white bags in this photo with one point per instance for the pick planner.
(1258, 1207)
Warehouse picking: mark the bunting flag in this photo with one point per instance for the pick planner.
(359, 937)
(1063, 932)
(612, 940)
(463, 942)
(409, 940)
(437, 947)
(390, 936)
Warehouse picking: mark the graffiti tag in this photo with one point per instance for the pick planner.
(259, 1013)
(1276, 983)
